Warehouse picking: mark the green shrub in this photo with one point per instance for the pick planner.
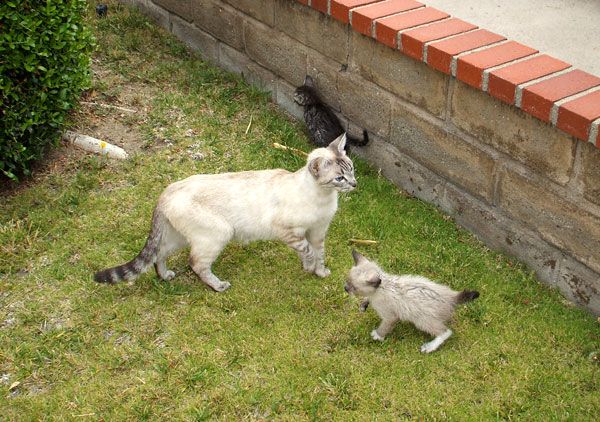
(45, 52)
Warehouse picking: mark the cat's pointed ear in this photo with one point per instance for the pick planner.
(308, 81)
(339, 144)
(358, 258)
(316, 165)
(375, 281)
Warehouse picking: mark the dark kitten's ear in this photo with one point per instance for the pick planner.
(308, 81)
(358, 258)
(375, 281)
(339, 144)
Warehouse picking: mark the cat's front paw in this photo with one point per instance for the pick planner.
(375, 336)
(323, 272)
(223, 286)
(169, 275)
(363, 305)
(309, 267)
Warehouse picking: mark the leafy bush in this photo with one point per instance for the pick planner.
(45, 52)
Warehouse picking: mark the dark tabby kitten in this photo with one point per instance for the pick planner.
(323, 125)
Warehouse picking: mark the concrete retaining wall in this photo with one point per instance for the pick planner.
(521, 185)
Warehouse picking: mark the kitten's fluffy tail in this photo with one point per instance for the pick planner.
(140, 263)
(358, 142)
(467, 296)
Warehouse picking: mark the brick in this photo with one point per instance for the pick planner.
(539, 98)
(403, 171)
(576, 116)
(305, 2)
(219, 20)
(285, 99)
(325, 74)
(365, 103)
(159, 15)
(276, 52)
(340, 9)
(580, 284)
(561, 223)
(401, 75)
(181, 8)
(471, 66)
(386, 29)
(442, 152)
(363, 18)
(238, 62)
(499, 232)
(263, 10)
(413, 41)
(440, 53)
(503, 82)
(196, 39)
(542, 148)
(327, 36)
(590, 173)
(320, 5)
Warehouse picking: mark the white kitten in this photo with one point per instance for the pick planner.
(208, 211)
(412, 298)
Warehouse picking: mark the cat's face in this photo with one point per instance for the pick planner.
(306, 94)
(364, 277)
(332, 168)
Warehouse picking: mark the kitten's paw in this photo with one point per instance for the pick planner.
(223, 286)
(309, 267)
(323, 272)
(363, 306)
(429, 347)
(169, 275)
(375, 336)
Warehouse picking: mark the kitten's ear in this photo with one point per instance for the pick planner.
(308, 81)
(339, 144)
(316, 165)
(358, 258)
(375, 281)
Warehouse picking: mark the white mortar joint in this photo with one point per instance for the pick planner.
(454, 63)
(519, 88)
(486, 72)
(557, 104)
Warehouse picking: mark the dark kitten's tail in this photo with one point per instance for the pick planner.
(350, 140)
(140, 263)
(467, 296)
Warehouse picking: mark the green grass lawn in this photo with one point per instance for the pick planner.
(280, 344)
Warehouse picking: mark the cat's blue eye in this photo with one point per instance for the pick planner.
(340, 179)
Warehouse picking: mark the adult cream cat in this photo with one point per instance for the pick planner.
(206, 212)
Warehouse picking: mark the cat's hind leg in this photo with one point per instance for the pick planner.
(316, 238)
(207, 239)
(171, 242)
(433, 345)
(436, 328)
(207, 234)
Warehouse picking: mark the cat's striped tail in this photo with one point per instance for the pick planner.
(142, 261)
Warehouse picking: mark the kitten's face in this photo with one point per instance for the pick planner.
(364, 277)
(332, 168)
(306, 94)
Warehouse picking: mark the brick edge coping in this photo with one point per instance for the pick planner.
(542, 86)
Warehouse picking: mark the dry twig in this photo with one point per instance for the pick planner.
(292, 149)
